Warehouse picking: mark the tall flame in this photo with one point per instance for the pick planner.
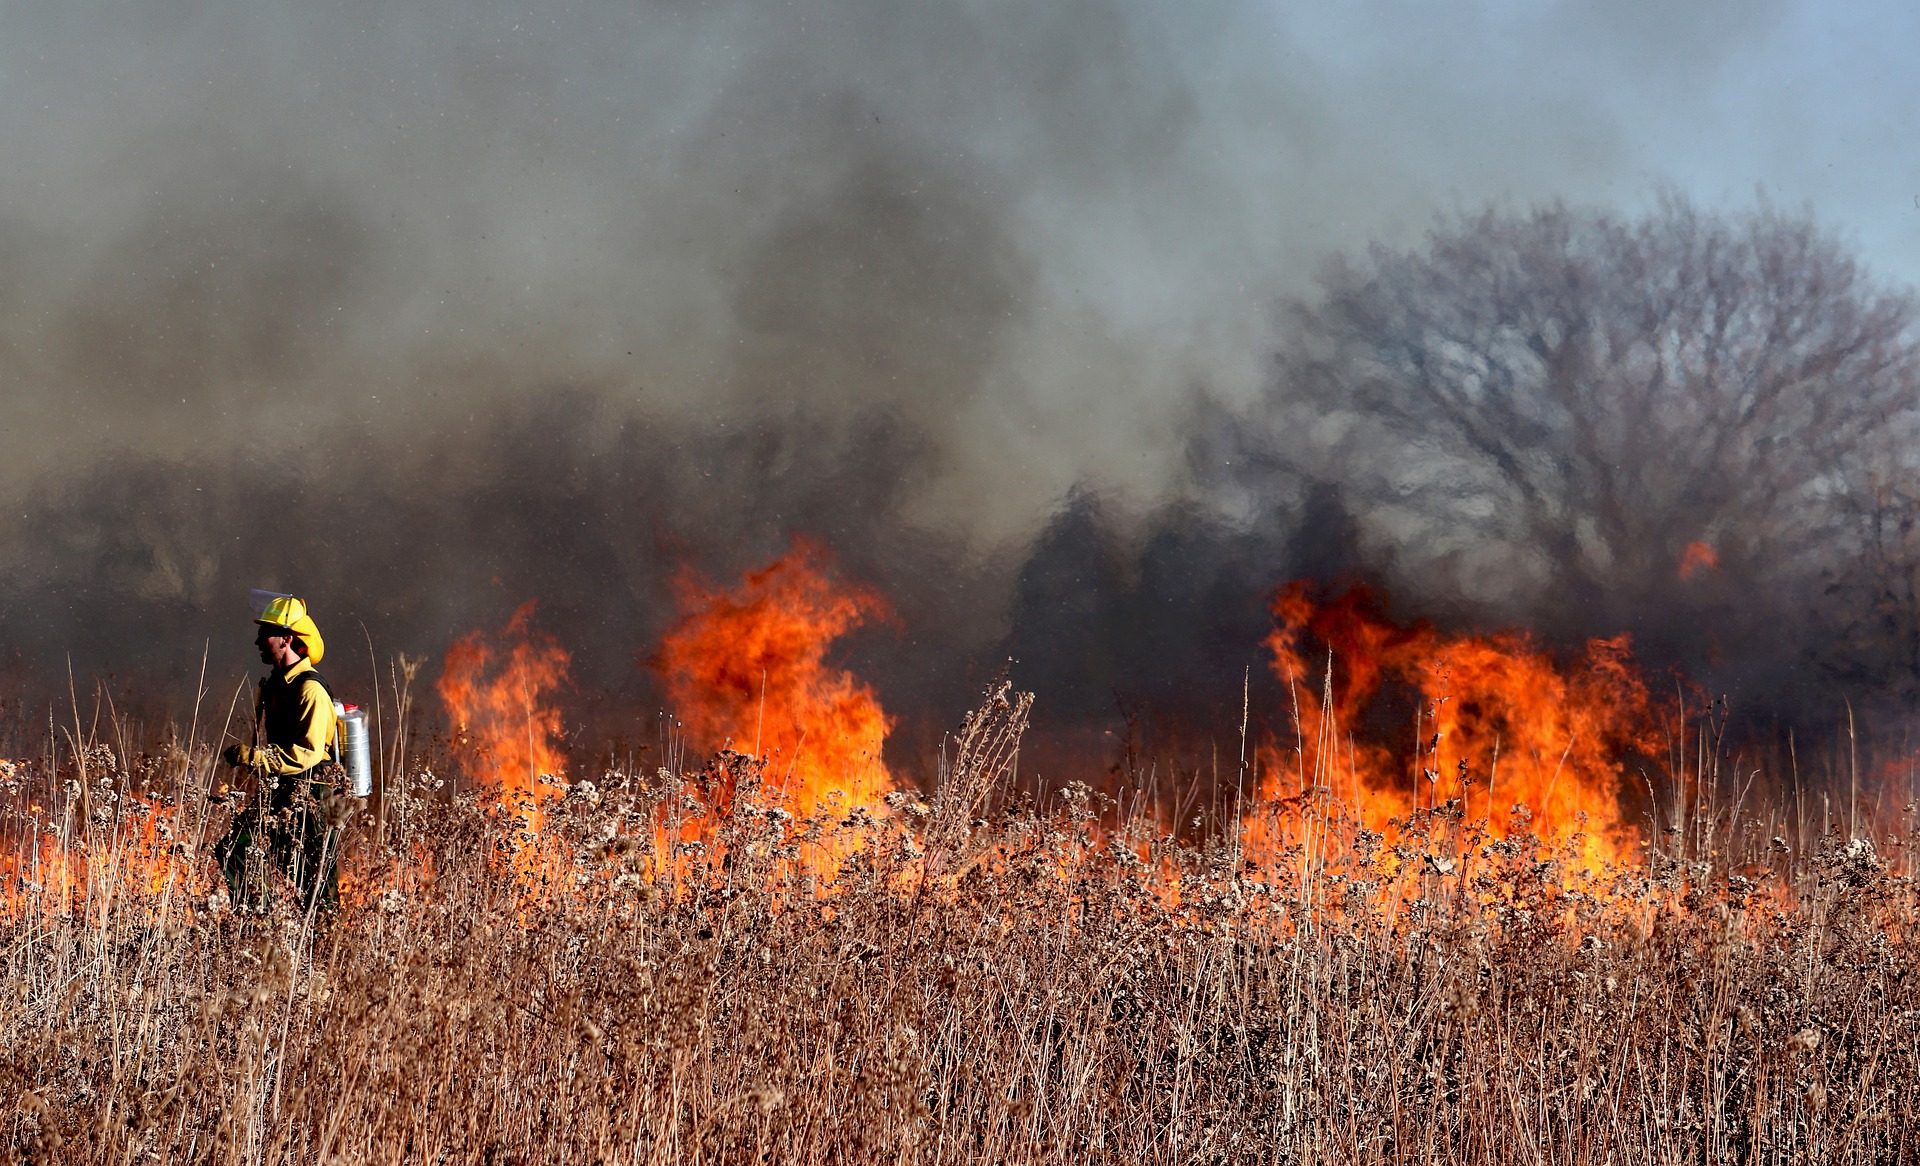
(1499, 723)
(747, 668)
(498, 691)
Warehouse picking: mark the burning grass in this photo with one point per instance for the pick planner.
(971, 978)
(1465, 952)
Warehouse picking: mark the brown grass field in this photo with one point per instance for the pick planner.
(669, 968)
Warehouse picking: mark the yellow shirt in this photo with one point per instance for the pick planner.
(293, 721)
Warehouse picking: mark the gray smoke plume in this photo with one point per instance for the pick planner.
(1027, 230)
(423, 309)
(583, 503)
(1694, 429)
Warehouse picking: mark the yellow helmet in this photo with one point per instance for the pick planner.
(284, 611)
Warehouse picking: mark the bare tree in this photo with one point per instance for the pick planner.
(1572, 409)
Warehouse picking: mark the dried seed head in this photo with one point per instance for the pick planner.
(765, 1099)
(1816, 1097)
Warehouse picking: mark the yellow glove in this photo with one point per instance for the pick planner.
(239, 756)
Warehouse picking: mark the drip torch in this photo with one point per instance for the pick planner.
(353, 748)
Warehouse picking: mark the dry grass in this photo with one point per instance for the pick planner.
(975, 981)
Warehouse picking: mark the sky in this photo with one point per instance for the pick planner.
(1030, 232)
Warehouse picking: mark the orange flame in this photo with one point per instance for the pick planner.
(1698, 558)
(1499, 723)
(748, 667)
(61, 865)
(499, 698)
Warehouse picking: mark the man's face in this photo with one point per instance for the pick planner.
(276, 647)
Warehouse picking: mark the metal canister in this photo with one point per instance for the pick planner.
(353, 748)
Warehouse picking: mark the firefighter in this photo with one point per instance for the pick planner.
(294, 763)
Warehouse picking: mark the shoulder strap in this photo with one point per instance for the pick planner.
(314, 675)
(333, 746)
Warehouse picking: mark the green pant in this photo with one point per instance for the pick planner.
(293, 840)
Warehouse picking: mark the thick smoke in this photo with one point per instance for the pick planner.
(1690, 428)
(424, 309)
(584, 503)
(1028, 230)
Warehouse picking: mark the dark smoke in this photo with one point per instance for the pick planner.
(1528, 420)
(426, 309)
(586, 504)
(1541, 419)
(1025, 229)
